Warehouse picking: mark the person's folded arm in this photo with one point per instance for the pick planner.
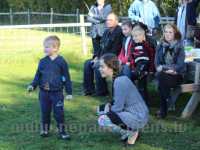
(119, 96)
(92, 20)
(132, 13)
(103, 16)
(156, 15)
(180, 65)
(92, 17)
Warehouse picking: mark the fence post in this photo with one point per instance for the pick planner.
(51, 16)
(11, 16)
(29, 16)
(83, 34)
(77, 15)
(77, 19)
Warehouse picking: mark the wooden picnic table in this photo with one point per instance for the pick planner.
(193, 74)
(192, 85)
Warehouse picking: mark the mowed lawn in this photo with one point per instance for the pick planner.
(20, 51)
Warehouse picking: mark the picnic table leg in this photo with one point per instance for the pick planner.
(194, 100)
(191, 106)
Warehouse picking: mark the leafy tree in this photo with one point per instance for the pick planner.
(166, 7)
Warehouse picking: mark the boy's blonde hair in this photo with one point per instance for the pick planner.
(139, 30)
(55, 40)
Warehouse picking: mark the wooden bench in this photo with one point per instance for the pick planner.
(193, 76)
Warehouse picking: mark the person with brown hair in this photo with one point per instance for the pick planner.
(128, 113)
(170, 65)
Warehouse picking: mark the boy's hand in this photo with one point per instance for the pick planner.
(30, 88)
(172, 72)
(69, 97)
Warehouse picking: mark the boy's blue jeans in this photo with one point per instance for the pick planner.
(48, 101)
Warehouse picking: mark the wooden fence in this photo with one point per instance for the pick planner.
(81, 26)
(29, 14)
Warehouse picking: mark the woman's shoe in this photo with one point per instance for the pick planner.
(132, 138)
(124, 138)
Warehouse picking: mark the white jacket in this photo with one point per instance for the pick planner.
(146, 13)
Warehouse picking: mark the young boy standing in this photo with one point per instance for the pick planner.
(142, 54)
(51, 76)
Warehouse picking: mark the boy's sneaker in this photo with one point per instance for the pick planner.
(44, 133)
(64, 136)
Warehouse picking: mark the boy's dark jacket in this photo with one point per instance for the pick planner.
(53, 75)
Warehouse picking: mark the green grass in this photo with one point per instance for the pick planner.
(20, 51)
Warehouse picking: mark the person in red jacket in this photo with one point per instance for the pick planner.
(137, 55)
(125, 57)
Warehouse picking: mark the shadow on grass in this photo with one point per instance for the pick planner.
(80, 117)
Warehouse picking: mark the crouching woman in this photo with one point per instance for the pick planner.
(128, 113)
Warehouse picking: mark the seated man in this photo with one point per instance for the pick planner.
(111, 42)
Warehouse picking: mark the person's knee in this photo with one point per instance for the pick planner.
(104, 120)
(59, 109)
(59, 116)
(46, 110)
